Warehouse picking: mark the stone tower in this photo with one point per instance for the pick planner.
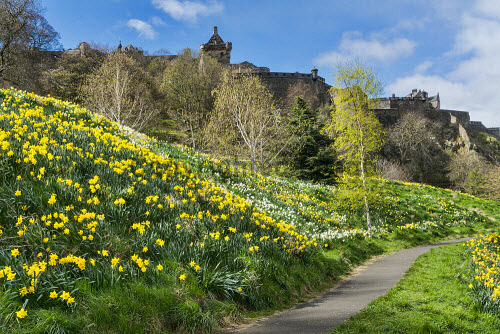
(216, 48)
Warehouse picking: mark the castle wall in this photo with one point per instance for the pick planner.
(478, 126)
(441, 117)
(462, 117)
(494, 131)
(409, 104)
(279, 83)
(389, 116)
(383, 103)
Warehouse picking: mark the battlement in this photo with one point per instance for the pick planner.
(390, 109)
(494, 131)
(417, 100)
(478, 126)
(295, 75)
(462, 117)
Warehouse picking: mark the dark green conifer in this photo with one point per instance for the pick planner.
(310, 155)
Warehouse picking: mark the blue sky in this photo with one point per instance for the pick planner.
(446, 46)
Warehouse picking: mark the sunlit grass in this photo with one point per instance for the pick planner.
(96, 220)
(432, 298)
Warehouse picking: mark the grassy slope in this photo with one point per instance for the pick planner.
(307, 235)
(432, 298)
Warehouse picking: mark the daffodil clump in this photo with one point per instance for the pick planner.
(317, 210)
(82, 202)
(296, 202)
(485, 276)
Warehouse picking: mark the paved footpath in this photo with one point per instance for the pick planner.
(346, 299)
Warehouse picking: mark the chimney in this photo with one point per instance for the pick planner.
(215, 31)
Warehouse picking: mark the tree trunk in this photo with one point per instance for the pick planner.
(365, 191)
(192, 135)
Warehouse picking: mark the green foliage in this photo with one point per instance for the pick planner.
(309, 154)
(349, 194)
(359, 136)
(285, 237)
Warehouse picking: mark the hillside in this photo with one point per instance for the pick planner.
(104, 230)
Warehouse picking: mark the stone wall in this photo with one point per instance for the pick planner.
(462, 117)
(494, 131)
(280, 82)
(478, 126)
(441, 117)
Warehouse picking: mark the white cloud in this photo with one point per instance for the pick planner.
(472, 84)
(188, 10)
(156, 21)
(489, 8)
(329, 58)
(423, 67)
(354, 46)
(144, 29)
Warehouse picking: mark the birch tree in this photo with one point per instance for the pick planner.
(188, 84)
(359, 136)
(245, 121)
(119, 90)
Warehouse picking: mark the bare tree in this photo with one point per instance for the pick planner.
(492, 186)
(23, 29)
(161, 52)
(413, 142)
(119, 90)
(245, 120)
(188, 83)
(467, 171)
(393, 170)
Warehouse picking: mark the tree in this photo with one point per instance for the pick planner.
(492, 185)
(245, 120)
(24, 32)
(472, 173)
(121, 91)
(413, 143)
(67, 79)
(309, 152)
(468, 171)
(188, 84)
(393, 170)
(358, 134)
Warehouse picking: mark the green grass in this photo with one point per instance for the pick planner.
(184, 207)
(432, 298)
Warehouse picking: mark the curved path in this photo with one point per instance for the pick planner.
(346, 299)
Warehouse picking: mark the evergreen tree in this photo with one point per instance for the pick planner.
(310, 155)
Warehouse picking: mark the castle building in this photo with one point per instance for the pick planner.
(390, 109)
(278, 83)
(216, 48)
